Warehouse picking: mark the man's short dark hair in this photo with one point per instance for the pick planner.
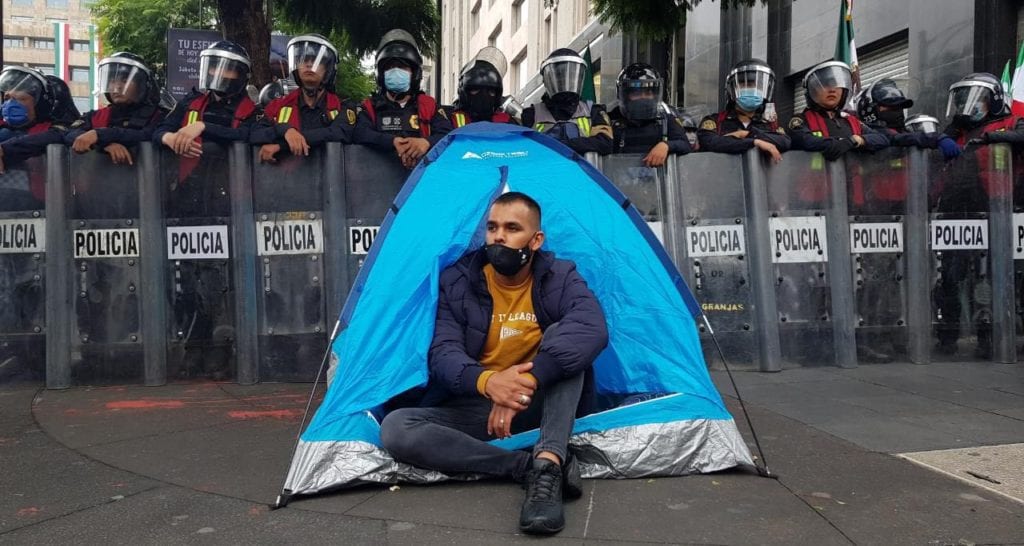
(514, 197)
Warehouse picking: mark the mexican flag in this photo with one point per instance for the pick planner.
(61, 47)
(1016, 88)
(589, 93)
(846, 49)
(94, 57)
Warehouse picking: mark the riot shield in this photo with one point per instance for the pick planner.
(109, 274)
(799, 198)
(22, 271)
(200, 301)
(877, 186)
(643, 186)
(372, 181)
(288, 199)
(962, 195)
(713, 242)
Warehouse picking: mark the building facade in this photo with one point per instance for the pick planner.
(32, 37)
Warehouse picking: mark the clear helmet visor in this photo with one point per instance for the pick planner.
(312, 56)
(490, 55)
(563, 76)
(641, 98)
(922, 124)
(122, 80)
(969, 100)
(221, 74)
(751, 83)
(15, 82)
(828, 80)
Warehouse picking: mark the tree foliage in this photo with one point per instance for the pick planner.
(653, 19)
(365, 21)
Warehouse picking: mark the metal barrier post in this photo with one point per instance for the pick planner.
(246, 274)
(59, 278)
(918, 259)
(840, 275)
(335, 230)
(761, 270)
(154, 277)
(1004, 347)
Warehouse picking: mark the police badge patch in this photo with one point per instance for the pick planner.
(414, 121)
(709, 125)
(796, 122)
(350, 114)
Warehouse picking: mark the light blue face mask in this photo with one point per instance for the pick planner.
(749, 100)
(397, 80)
(15, 113)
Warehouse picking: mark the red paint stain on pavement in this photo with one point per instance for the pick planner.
(257, 510)
(145, 404)
(267, 414)
(30, 511)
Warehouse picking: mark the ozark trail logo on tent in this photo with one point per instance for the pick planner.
(495, 155)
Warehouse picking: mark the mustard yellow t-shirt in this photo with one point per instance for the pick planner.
(514, 335)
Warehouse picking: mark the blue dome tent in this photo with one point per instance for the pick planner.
(680, 426)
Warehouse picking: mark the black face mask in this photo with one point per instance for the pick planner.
(894, 119)
(508, 261)
(563, 105)
(480, 107)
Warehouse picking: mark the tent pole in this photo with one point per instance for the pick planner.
(762, 468)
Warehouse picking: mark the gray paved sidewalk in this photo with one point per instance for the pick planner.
(198, 463)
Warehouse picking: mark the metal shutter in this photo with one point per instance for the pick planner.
(891, 61)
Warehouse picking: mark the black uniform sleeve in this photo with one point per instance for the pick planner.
(129, 135)
(916, 139)
(80, 126)
(268, 131)
(873, 140)
(172, 122)
(711, 141)
(440, 125)
(600, 139)
(677, 141)
(1013, 136)
(529, 113)
(803, 139)
(366, 133)
(778, 137)
(224, 134)
(23, 147)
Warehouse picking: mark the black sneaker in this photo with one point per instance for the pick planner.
(542, 512)
(572, 483)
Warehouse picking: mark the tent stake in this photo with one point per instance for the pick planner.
(762, 469)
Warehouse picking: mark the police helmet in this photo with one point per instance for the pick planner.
(125, 74)
(883, 92)
(922, 123)
(315, 50)
(638, 88)
(399, 45)
(563, 72)
(224, 68)
(752, 83)
(64, 109)
(975, 97)
(484, 72)
(22, 79)
(827, 76)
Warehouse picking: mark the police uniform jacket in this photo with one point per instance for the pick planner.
(638, 137)
(834, 137)
(588, 130)
(392, 119)
(714, 128)
(219, 118)
(330, 119)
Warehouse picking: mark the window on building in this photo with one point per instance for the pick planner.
(44, 68)
(79, 74)
(545, 36)
(492, 40)
(520, 14)
(582, 14)
(40, 43)
(14, 43)
(474, 18)
(22, 18)
(80, 46)
(519, 73)
(84, 104)
(57, 4)
(22, 2)
(86, 4)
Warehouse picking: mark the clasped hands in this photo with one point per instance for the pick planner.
(512, 391)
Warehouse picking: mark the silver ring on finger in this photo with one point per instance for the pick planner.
(523, 399)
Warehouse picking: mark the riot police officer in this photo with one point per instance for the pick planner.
(979, 115)
(480, 90)
(641, 123)
(882, 106)
(580, 125)
(132, 113)
(312, 113)
(400, 116)
(743, 124)
(823, 126)
(36, 112)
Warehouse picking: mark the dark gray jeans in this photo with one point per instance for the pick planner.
(452, 438)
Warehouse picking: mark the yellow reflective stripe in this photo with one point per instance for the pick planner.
(817, 134)
(193, 117)
(584, 124)
(896, 163)
(999, 158)
(460, 119)
(817, 162)
(539, 126)
(333, 114)
(284, 115)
